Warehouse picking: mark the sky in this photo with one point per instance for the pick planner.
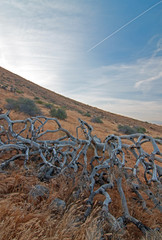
(105, 53)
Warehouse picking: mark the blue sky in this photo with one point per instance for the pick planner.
(50, 43)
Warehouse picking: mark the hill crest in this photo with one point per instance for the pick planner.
(12, 85)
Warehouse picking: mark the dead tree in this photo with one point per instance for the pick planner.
(118, 160)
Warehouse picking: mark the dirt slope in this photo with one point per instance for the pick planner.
(25, 88)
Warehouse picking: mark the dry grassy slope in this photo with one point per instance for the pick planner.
(20, 219)
(32, 90)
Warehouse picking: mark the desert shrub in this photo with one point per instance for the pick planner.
(96, 120)
(53, 112)
(59, 113)
(23, 105)
(11, 104)
(4, 87)
(64, 107)
(36, 98)
(126, 129)
(44, 97)
(87, 114)
(139, 129)
(48, 105)
(19, 91)
(39, 102)
(131, 130)
(81, 112)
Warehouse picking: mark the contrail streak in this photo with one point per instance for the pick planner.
(113, 33)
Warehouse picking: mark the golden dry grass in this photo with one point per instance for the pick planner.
(21, 218)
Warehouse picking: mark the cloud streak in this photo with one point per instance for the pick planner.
(148, 80)
(124, 26)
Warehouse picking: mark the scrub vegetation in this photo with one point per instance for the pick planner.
(58, 113)
(130, 130)
(24, 105)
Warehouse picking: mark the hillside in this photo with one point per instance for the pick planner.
(62, 180)
(25, 88)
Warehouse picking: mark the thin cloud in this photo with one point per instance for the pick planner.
(159, 48)
(43, 47)
(148, 80)
(132, 89)
(124, 26)
(128, 77)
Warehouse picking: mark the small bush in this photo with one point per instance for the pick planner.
(4, 87)
(44, 97)
(39, 102)
(60, 113)
(48, 105)
(131, 130)
(126, 129)
(12, 104)
(23, 105)
(87, 114)
(19, 91)
(96, 120)
(36, 98)
(53, 112)
(81, 112)
(139, 129)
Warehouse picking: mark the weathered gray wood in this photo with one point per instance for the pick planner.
(68, 154)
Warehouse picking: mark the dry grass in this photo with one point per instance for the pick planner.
(23, 219)
(154, 235)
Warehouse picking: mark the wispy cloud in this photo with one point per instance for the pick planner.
(159, 48)
(136, 80)
(40, 41)
(132, 89)
(144, 83)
